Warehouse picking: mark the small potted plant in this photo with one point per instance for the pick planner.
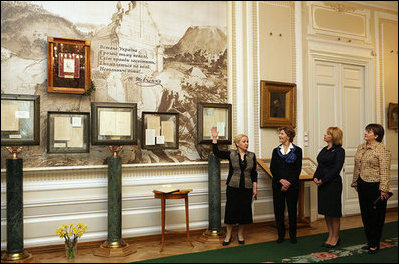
(71, 233)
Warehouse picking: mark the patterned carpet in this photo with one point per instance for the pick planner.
(308, 249)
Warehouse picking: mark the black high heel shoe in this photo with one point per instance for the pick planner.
(333, 246)
(373, 251)
(228, 242)
(242, 242)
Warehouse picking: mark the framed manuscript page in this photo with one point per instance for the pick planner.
(68, 132)
(20, 120)
(68, 65)
(214, 115)
(114, 123)
(160, 130)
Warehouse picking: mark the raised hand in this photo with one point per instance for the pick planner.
(215, 134)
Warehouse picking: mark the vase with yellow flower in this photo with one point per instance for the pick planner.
(71, 233)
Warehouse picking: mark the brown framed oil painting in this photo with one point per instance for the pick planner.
(68, 65)
(20, 119)
(160, 130)
(393, 116)
(277, 104)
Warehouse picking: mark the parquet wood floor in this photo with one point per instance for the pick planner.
(148, 247)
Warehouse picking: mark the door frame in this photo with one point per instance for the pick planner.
(345, 53)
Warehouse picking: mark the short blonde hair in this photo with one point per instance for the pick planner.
(238, 138)
(336, 134)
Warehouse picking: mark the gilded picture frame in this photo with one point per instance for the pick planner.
(68, 65)
(218, 115)
(68, 132)
(160, 130)
(277, 104)
(20, 120)
(113, 123)
(393, 116)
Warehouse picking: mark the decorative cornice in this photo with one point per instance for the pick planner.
(338, 7)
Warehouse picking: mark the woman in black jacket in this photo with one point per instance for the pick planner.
(286, 166)
(330, 161)
(241, 185)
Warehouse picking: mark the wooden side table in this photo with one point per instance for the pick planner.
(181, 194)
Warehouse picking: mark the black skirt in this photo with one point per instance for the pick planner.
(329, 199)
(238, 208)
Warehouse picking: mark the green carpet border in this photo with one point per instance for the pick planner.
(306, 244)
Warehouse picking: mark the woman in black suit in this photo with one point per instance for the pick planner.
(286, 166)
(241, 185)
(328, 180)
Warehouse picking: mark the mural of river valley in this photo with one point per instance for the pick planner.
(164, 56)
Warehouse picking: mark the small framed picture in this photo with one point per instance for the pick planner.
(160, 130)
(277, 104)
(68, 65)
(68, 132)
(393, 116)
(114, 123)
(214, 115)
(20, 120)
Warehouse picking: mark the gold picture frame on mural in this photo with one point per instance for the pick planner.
(277, 104)
(68, 65)
(20, 119)
(393, 116)
(217, 115)
(113, 123)
(160, 130)
(68, 132)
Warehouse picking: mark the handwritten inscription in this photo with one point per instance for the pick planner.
(121, 59)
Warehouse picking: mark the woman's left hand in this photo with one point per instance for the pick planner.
(384, 195)
(255, 194)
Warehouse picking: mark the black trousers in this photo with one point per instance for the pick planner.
(279, 199)
(373, 218)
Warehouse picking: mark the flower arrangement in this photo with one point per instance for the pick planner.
(71, 233)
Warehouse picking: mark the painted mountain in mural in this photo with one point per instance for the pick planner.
(210, 40)
(25, 27)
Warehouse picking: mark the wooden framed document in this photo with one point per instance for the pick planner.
(214, 115)
(68, 65)
(20, 120)
(160, 130)
(68, 132)
(114, 123)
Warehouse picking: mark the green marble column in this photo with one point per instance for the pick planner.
(114, 199)
(15, 211)
(214, 193)
(114, 246)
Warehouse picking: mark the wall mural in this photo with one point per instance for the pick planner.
(164, 56)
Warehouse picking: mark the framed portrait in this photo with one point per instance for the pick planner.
(160, 130)
(20, 120)
(214, 115)
(277, 104)
(68, 65)
(393, 115)
(113, 123)
(68, 132)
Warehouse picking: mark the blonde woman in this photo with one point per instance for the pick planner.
(241, 185)
(329, 183)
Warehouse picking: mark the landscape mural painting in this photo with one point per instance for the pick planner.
(164, 56)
